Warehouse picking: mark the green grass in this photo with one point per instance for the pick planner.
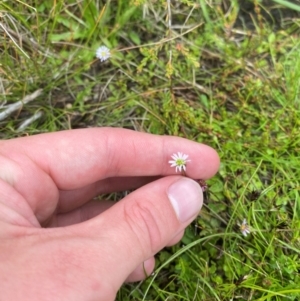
(227, 75)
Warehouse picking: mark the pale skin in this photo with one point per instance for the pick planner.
(57, 242)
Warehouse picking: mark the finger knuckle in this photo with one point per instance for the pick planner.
(143, 219)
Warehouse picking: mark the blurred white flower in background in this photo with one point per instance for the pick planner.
(103, 53)
(244, 227)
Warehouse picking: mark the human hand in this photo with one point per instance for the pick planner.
(57, 243)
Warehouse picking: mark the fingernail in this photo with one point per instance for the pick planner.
(186, 198)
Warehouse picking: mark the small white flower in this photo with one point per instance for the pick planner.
(179, 161)
(103, 53)
(244, 227)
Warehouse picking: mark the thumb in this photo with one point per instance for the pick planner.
(144, 222)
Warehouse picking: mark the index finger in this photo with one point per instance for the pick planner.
(76, 158)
